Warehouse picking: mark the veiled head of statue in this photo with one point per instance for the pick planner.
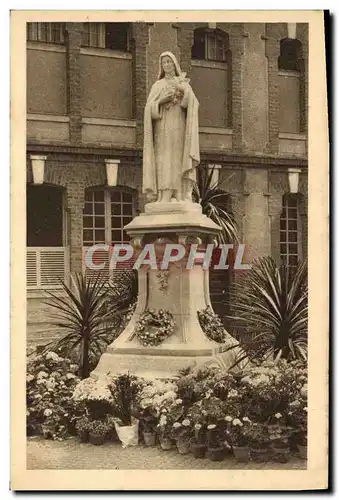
(167, 64)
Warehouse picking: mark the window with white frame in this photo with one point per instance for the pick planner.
(115, 36)
(210, 44)
(290, 231)
(106, 212)
(46, 32)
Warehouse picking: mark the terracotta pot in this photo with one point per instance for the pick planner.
(241, 453)
(260, 454)
(149, 438)
(97, 439)
(183, 446)
(281, 454)
(198, 450)
(83, 436)
(165, 444)
(216, 454)
(302, 451)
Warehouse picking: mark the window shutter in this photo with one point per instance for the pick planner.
(31, 269)
(52, 268)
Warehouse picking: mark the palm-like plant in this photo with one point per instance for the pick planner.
(213, 201)
(272, 302)
(82, 314)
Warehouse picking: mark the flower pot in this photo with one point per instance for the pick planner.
(97, 439)
(83, 436)
(183, 446)
(281, 454)
(149, 438)
(302, 451)
(165, 444)
(241, 453)
(216, 454)
(128, 434)
(259, 454)
(47, 432)
(198, 450)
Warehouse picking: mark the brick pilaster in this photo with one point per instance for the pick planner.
(140, 38)
(185, 42)
(236, 45)
(73, 44)
(302, 35)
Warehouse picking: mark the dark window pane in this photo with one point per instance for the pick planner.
(116, 222)
(293, 224)
(127, 220)
(116, 236)
(198, 48)
(292, 202)
(283, 236)
(88, 222)
(293, 248)
(88, 235)
(88, 208)
(126, 238)
(128, 209)
(99, 195)
(88, 195)
(127, 198)
(99, 208)
(99, 222)
(283, 224)
(284, 260)
(283, 248)
(116, 196)
(99, 235)
(44, 216)
(116, 208)
(117, 36)
(293, 236)
(293, 260)
(292, 213)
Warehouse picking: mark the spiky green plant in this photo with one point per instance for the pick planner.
(82, 314)
(213, 201)
(272, 302)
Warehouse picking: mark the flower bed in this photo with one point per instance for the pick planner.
(209, 412)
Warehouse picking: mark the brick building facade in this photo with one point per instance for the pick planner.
(87, 85)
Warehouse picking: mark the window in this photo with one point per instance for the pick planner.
(290, 55)
(290, 231)
(46, 32)
(105, 214)
(210, 45)
(113, 36)
(44, 216)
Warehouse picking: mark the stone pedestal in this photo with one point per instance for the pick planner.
(182, 291)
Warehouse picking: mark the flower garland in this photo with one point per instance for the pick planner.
(154, 327)
(211, 325)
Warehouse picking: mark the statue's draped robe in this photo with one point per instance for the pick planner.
(171, 139)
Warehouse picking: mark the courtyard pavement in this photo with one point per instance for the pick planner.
(70, 454)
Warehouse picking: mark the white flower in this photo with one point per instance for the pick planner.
(228, 418)
(186, 422)
(176, 425)
(278, 415)
(42, 374)
(305, 409)
(178, 401)
(197, 427)
(204, 412)
(211, 426)
(236, 421)
(53, 356)
(69, 376)
(164, 410)
(163, 420)
(29, 378)
(246, 419)
(48, 412)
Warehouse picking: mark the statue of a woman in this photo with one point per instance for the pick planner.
(171, 135)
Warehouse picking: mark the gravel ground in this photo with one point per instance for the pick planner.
(71, 454)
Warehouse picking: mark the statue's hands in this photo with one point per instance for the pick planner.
(167, 97)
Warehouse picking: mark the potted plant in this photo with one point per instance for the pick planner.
(279, 434)
(258, 439)
(82, 427)
(171, 412)
(198, 443)
(297, 417)
(148, 421)
(97, 432)
(237, 437)
(125, 390)
(181, 432)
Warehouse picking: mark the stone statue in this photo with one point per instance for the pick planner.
(171, 135)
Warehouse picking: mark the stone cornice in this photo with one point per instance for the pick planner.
(128, 154)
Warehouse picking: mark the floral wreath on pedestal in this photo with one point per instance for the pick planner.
(154, 326)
